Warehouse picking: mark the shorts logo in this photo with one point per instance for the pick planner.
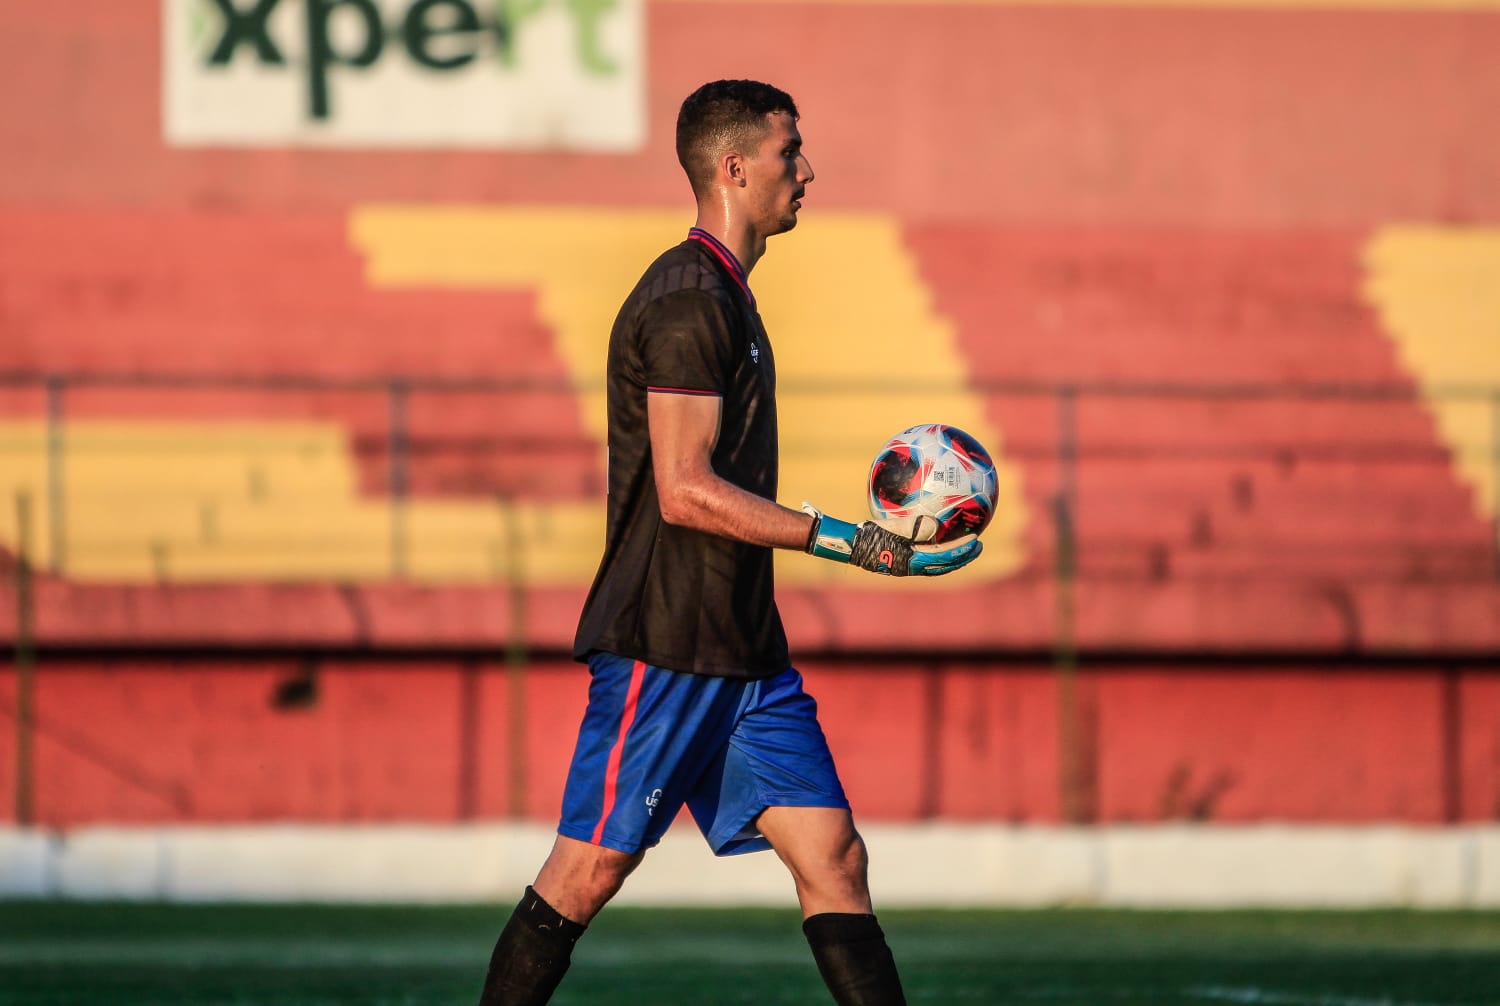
(652, 801)
(754, 353)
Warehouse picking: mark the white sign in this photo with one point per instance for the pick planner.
(527, 74)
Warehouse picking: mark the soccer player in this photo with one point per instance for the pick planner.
(693, 699)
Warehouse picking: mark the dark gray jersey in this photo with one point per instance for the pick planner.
(671, 596)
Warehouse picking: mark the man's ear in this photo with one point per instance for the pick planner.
(732, 169)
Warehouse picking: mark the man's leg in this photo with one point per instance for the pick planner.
(534, 950)
(829, 865)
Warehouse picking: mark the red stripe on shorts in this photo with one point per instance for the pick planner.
(612, 772)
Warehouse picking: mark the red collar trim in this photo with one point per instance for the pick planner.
(725, 257)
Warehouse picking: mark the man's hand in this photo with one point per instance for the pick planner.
(891, 548)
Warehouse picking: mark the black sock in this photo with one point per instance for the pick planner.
(854, 960)
(531, 956)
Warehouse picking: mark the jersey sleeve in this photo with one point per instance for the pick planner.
(686, 344)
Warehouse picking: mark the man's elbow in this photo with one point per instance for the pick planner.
(682, 507)
(677, 510)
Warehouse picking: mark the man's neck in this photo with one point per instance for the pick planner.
(742, 242)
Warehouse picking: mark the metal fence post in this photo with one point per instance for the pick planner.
(1072, 773)
(516, 658)
(25, 664)
(398, 446)
(1495, 476)
(56, 501)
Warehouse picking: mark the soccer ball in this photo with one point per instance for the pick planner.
(937, 470)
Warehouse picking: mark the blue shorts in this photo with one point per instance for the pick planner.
(653, 740)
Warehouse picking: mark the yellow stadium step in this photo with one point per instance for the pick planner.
(164, 501)
(1436, 291)
(246, 459)
(844, 302)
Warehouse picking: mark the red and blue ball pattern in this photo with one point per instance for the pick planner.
(937, 470)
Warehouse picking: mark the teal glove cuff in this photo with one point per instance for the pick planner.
(870, 546)
(831, 538)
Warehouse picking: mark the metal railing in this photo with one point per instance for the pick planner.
(1075, 441)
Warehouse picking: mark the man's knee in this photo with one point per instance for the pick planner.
(850, 859)
(838, 849)
(579, 878)
(825, 854)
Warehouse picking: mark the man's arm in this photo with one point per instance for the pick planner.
(684, 429)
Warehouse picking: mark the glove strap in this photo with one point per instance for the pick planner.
(830, 538)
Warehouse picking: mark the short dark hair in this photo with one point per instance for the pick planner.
(720, 116)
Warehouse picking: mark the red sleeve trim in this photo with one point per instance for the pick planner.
(682, 391)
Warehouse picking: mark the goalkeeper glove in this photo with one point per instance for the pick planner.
(883, 549)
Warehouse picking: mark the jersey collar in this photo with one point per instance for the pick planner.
(725, 257)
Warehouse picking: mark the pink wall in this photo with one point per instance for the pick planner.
(195, 741)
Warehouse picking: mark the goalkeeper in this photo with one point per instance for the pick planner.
(693, 699)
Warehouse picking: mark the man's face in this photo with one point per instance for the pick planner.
(776, 177)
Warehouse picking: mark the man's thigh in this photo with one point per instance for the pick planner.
(648, 737)
(778, 756)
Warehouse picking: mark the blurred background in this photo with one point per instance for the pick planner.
(303, 306)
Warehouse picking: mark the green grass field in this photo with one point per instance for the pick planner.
(130, 954)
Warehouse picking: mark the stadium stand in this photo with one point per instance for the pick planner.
(295, 407)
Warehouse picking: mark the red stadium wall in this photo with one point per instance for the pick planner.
(1267, 624)
(362, 740)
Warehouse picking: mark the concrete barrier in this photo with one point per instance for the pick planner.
(937, 864)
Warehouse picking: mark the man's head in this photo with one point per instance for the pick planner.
(742, 135)
(725, 116)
